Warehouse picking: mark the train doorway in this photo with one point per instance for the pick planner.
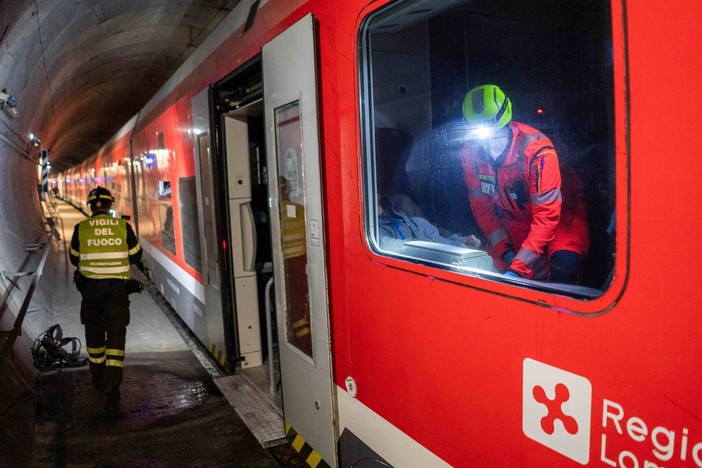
(244, 220)
(241, 178)
(292, 143)
(270, 208)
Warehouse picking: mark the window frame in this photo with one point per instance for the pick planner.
(539, 293)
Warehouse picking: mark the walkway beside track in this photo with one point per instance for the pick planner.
(171, 414)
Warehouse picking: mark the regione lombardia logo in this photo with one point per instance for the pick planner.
(556, 409)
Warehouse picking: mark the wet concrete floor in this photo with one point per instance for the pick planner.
(171, 413)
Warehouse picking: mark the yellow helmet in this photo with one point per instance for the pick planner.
(487, 107)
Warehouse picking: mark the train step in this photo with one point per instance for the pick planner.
(259, 414)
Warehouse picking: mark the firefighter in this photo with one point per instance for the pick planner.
(102, 248)
(534, 229)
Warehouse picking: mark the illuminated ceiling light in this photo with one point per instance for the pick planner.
(34, 140)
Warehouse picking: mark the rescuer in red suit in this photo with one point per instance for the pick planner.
(531, 211)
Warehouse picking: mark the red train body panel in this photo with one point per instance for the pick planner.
(466, 369)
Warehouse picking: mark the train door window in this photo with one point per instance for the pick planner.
(190, 222)
(165, 212)
(470, 181)
(292, 205)
(140, 176)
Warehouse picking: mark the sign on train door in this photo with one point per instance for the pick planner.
(292, 140)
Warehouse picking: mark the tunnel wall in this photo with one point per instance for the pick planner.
(22, 222)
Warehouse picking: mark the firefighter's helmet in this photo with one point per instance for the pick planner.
(486, 107)
(49, 353)
(100, 198)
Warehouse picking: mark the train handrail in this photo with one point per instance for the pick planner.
(269, 334)
(16, 330)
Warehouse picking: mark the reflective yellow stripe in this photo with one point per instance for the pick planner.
(104, 270)
(104, 255)
(94, 276)
(99, 350)
(115, 352)
(135, 250)
(74, 252)
(114, 363)
(97, 360)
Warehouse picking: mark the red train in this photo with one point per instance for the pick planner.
(274, 150)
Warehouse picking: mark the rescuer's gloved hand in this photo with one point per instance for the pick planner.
(510, 274)
(508, 256)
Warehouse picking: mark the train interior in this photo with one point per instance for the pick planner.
(553, 60)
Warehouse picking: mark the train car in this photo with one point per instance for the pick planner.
(78, 181)
(104, 169)
(281, 146)
(68, 179)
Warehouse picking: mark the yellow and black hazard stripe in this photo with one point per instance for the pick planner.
(305, 450)
(219, 354)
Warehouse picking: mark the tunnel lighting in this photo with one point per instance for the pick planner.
(34, 140)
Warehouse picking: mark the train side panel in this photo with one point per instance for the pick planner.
(164, 180)
(457, 364)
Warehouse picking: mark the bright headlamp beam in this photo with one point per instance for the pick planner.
(482, 132)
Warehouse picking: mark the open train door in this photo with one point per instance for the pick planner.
(292, 141)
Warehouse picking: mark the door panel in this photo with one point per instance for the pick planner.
(292, 139)
(243, 237)
(212, 321)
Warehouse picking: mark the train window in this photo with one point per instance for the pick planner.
(488, 132)
(292, 209)
(190, 222)
(165, 212)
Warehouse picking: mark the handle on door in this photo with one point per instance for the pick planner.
(248, 237)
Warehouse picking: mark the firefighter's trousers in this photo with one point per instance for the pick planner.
(104, 312)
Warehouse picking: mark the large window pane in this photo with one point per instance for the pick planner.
(532, 197)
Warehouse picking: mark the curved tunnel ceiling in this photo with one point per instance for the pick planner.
(79, 69)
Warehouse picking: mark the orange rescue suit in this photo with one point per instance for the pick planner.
(517, 200)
